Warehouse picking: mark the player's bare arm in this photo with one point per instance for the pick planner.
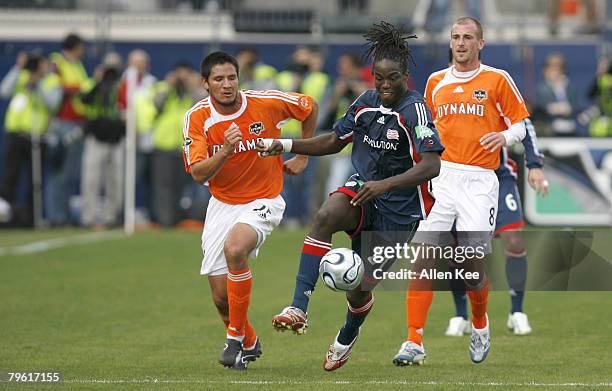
(208, 168)
(426, 169)
(325, 144)
(297, 164)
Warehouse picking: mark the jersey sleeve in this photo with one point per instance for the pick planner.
(195, 147)
(422, 129)
(510, 100)
(428, 97)
(345, 126)
(533, 157)
(291, 105)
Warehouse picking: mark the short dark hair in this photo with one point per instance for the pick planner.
(33, 62)
(72, 41)
(216, 58)
(469, 19)
(182, 64)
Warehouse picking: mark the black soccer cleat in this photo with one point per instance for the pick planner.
(252, 354)
(232, 353)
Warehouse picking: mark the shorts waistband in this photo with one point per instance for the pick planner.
(464, 167)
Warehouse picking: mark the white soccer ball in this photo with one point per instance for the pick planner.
(341, 269)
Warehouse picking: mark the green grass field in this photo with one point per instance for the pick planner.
(134, 313)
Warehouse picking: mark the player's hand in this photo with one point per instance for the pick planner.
(269, 147)
(493, 141)
(368, 191)
(296, 165)
(537, 181)
(232, 136)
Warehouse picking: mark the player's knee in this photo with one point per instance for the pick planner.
(327, 219)
(514, 243)
(235, 255)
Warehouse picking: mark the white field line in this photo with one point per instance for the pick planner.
(64, 241)
(338, 382)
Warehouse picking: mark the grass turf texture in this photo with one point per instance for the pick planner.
(125, 313)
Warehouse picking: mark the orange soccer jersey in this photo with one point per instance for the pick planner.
(245, 176)
(465, 107)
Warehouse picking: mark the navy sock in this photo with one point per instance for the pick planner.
(308, 272)
(516, 274)
(460, 297)
(354, 319)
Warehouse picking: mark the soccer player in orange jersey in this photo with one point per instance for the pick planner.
(477, 109)
(220, 133)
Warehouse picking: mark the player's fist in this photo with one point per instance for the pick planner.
(231, 137)
(537, 181)
(269, 147)
(493, 141)
(296, 165)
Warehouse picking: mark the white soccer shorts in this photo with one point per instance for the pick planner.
(467, 197)
(263, 215)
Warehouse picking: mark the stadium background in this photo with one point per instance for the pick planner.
(106, 309)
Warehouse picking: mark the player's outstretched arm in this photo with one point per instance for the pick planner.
(298, 163)
(426, 169)
(325, 144)
(202, 171)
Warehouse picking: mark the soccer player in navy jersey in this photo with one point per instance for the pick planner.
(396, 151)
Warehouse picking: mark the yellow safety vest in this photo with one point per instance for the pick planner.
(145, 110)
(72, 75)
(27, 112)
(602, 126)
(168, 126)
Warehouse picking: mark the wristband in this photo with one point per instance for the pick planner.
(287, 144)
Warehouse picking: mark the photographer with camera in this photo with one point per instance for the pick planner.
(103, 152)
(34, 96)
(171, 98)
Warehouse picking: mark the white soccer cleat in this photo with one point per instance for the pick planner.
(410, 353)
(480, 343)
(338, 354)
(291, 318)
(519, 324)
(457, 327)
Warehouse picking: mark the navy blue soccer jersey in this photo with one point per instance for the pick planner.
(388, 142)
(533, 157)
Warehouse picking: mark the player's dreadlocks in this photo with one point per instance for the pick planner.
(384, 40)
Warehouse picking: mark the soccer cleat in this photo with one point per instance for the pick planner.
(291, 318)
(241, 365)
(232, 353)
(338, 354)
(410, 353)
(253, 353)
(519, 323)
(480, 343)
(457, 327)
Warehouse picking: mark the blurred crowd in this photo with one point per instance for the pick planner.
(65, 131)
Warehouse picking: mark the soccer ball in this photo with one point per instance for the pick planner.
(341, 269)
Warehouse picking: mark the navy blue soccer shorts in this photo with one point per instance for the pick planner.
(382, 231)
(509, 208)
